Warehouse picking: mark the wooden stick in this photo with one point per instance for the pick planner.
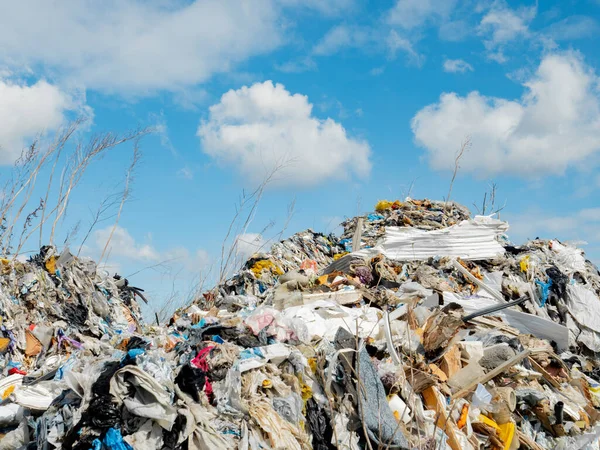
(492, 374)
(497, 325)
(357, 235)
(544, 373)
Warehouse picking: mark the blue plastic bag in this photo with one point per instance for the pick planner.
(114, 441)
(545, 290)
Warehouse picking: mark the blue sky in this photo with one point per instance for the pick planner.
(357, 101)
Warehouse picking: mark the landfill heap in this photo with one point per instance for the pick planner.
(419, 327)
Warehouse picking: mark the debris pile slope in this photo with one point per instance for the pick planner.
(418, 327)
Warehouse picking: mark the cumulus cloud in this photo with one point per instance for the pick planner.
(501, 25)
(457, 66)
(132, 46)
(124, 248)
(29, 110)
(554, 125)
(122, 244)
(255, 129)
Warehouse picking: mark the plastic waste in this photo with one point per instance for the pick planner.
(307, 346)
(481, 399)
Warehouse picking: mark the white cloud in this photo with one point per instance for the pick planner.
(191, 262)
(457, 66)
(343, 36)
(590, 214)
(249, 243)
(573, 27)
(556, 124)
(454, 31)
(410, 14)
(254, 129)
(498, 56)
(396, 42)
(161, 129)
(502, 25)
(452, 18)
(327, 7)
(581, 226)
(29, 110)
(124, 250)
(400, 30)
(367, 39)
(505, 24)
(137, 47)
(122, 244)
(190, 98)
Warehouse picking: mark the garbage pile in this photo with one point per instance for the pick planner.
(419, 327)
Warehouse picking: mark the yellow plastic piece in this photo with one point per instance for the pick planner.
(507, 433)
(51, 264)
(267, 384)
(4, 343)
(488, 421)
(312, 363)
(7, 392)
(383, 205)
(322, 279)
(307, 392)
(265, 264)
(524, 264)
(339, 255)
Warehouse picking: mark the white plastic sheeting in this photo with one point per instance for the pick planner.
(323, 318)
(474, 239)
(584, 305)
(568, 259)
(37, 397)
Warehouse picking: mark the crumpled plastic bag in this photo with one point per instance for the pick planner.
(282, 328)
(482, 398)
(150, 399)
